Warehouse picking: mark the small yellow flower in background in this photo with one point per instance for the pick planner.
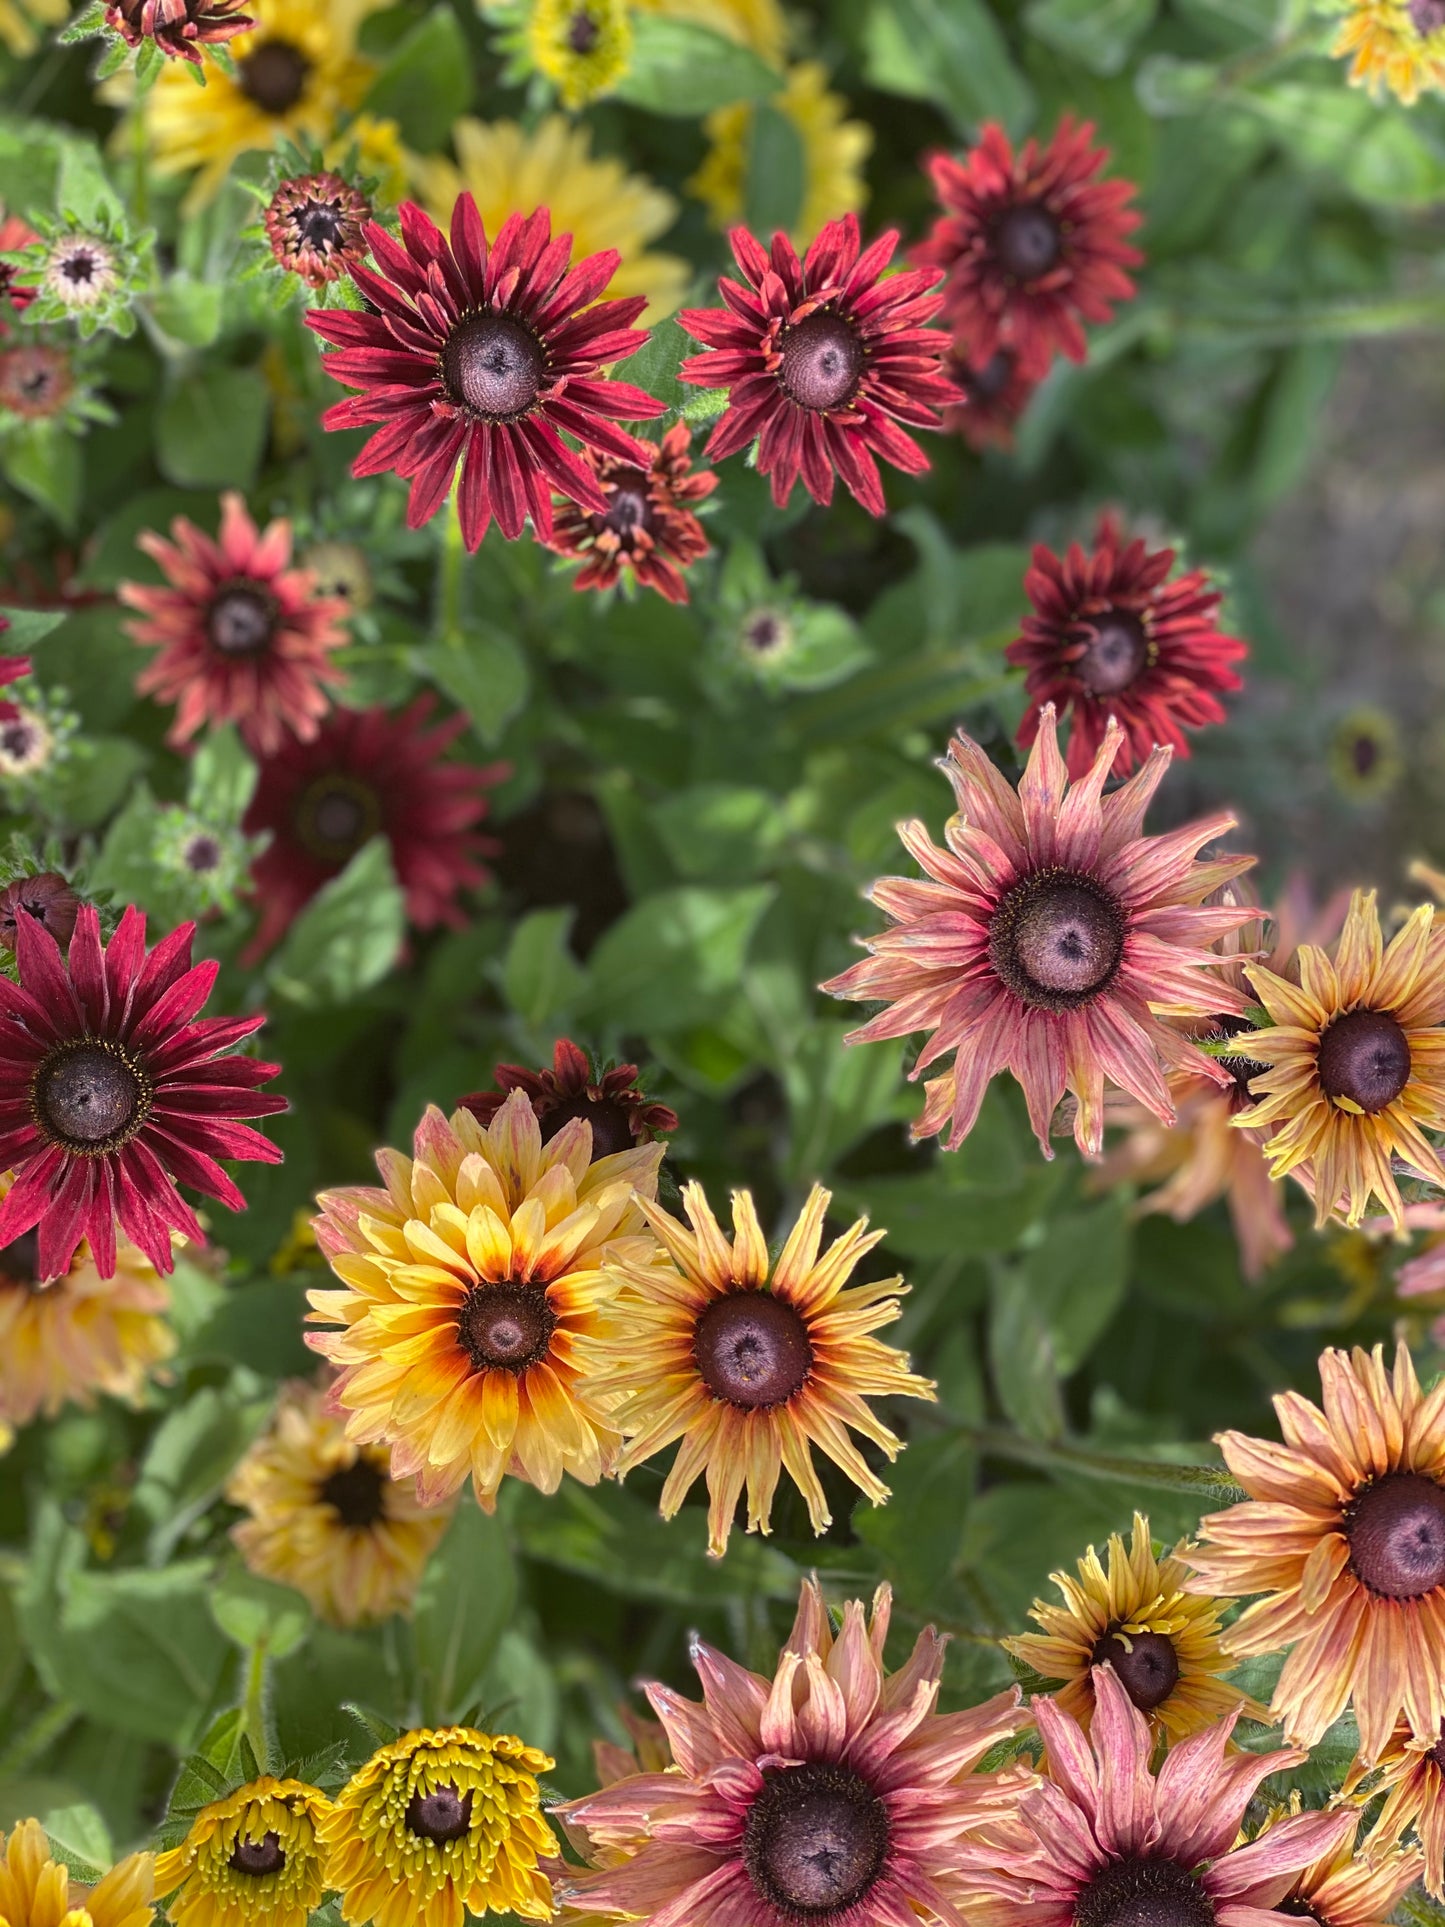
(22, 22)
(1365, 759)
(250, 1860)
(1162, 1642)
(758, 24)
(326, 1518)
(37, 1891)
(475, 1293)
(582, 46)
(79, 1335)
(834, 151)
(510, 169)
(439, 1823)
(751, 1363)
(1397, 45)
(380, 155)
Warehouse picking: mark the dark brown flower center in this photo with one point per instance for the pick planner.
(822, 361)
(1437, 1751)
(1147, 1665)
(319, 225)
(494, 366)
(1427, 16)
(988, 383)
(80, 267)
(356, 1494)
(582, 33)
(752, 1349)
(274, 75)
(629, 506)
(1056, 939)
(240, 621)
(20, 737)
(1027, 241)
(90, 1096)
(506, 1328)
(441, 1815)
(20, 1261)
(815, 1839)
(202, 854)
(611, 1123)
(1364, 1056)
(46, 898)
(1114, 653)
(335, 816)
(259, 1857)
(1297, 1906)
(1143, 1893)
(765, 634)
(1396, 1530)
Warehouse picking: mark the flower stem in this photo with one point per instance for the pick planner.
(253, 1706)
(1203, 1482)
(449, 569)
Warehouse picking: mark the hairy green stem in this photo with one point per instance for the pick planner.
(1200, 1481)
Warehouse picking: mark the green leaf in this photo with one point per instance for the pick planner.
(777, 172)
(211, 428)
(951, 52)
(187, 310)
(1076, 1276)
(83, 192)
(665, 963)
(223, 777)
(23, 628)
(80, 1840)
(348, 937)
(1021, 1358)
(426, 83)
(84, 791)
(148, 63)
(540, 975)
(188, 1459)
(654, 367)
(679, 67)
(1097, 33)
(919, 1530)
(43, 461)
(483, 671)
(256, 1613)
(463, 1605)
(257, 1325)
(720, 832)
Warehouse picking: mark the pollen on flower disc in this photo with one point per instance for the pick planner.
(752, 1349)
(815, 1839)
(822, 360)
(493, 366)
(88, 1098)
(1143, 1893)
(1056, 939)
(506, 1327)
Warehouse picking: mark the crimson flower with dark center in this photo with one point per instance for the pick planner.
(995, 394)
(315, 227)
(48, 899)
(480, 355)
(178, 27)
(620, 1114)
(243, 636)
(1031, 244)
(823, 358)
(113, 1091)
(1112, 637)
(364, 774)
(648, 528)
(36, 380)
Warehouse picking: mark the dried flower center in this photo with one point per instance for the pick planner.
(1364, 1056)
(240, 621)
(445, 1813)
(611, 1123)
(494, 366)
(1427, 16)
(355, 1494)
(319, 225)
(91, 1096)
(1147, 1665)
(259, 1857)
(629, 506)
(583, 33)
(335, 816)
(1028, 242)
(752, 1349)
(822, 360)
(1396, 1530)
(815, 1839)
(20, 1261)
(988, 383)
(1143, 1893)
(1240, 1068)
(274, 76)
(506, 1328)
(1056, 939)
(1114, 653)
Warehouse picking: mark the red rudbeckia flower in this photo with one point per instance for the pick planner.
(824, 358)
(1031, 244)
(243, 637)
(113, 1091)
(364, 774)
(479, 355)
(621, 1116)
(1112, 637)
(649, 526)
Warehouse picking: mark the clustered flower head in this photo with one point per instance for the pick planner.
(314, 224)
(649, 533)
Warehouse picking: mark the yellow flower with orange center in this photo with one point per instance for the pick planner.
(250, 1860)
(327, 1518)
(37, 1891)
(1394, 45)
(751, 1362)
(476, 1290)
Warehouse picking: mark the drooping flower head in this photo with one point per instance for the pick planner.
(1344, 1535)
(65, 1340)
(1134, 1616)
(474, 1293)
(180, 28)
(315, 224)
(1047, 938)
(649, 530)
(438, 1825)
(1353, 1065)
(582, 46)
(243, 637)
(832, 1793)
(1412, 1778)
(368, 773)
(1031, 244)
(824, 358)
(995, 394)
(1112, 638)
(1394, 45)
(1106, 1842)
(751, 1363)
(47, 899)
(253, 1859)
(113, 1090)
(36, 1891)
(478, 354)
(325, 1517)
(621, 1116)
